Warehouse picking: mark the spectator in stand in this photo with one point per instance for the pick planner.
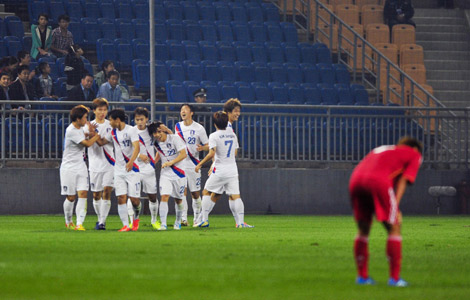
(111, 90)
(398, 12)
(42, 39)
(102, 76)
(62, 39)
(24, 60)
(200, 96)
(74, 66)
(21, 88)
(5, 81)
(82, 92)
(45, 81)
(8, 64)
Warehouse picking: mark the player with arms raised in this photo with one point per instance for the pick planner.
(377, 186)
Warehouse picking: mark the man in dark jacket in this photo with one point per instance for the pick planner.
(22, 89)
(83, 91)
(398, 12)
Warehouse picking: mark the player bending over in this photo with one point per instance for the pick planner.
(73, 169)
(223, 145)
(172, 151)
(377, 185)
(101, 164)
(126, 172)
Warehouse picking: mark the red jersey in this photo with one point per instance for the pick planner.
(387, 163)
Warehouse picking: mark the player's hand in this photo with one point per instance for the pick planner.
(198, 167)
(129, 166)
(210, 171)
(166, 129)
(167, 164)
(200, 148)
(92, 127)
(144, 158)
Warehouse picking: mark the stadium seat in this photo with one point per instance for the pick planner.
(289, 32)
(377, 33)
(27, 43)
(161, 51)
(209, 31)
(262, 73)
(74, 10)
(246, 93)
(211, 71)
(239, 14)
(175, 30)
(222, 11)
(388, 50)
(175, 91)
(243, 52)
(190, 11)
(328, 96)
(307, 53)
(124, 10)
(226, 51)
(341, 74)
(212, 90)
(173, 10)
(327, 74)
(175, 70)
(192, 50)
(262, 92)
(278, 73)
(14, 26)
(310, 73)
(141, 28)
(3, 29)
(274, 32)
(56, 8)
(124, 54)
(227, 70)
(258, 32)
(312, 94)
(361, 97)
(228, 90)
(258, 52)
(411, 54)
(275, 52)
(294, 74)
(91, 30)
(245, 71)
(349, 13)
(271, 12)
(192, 30)
(13, 44)
(323, 55)
(3, 48)
(403, 34)
(107, 10)
(295, 93)
(161, 74)
(92, 10)
(61, 66)
(349, 39)
(125, 29)
(105, 50)
(160, 31)
(359, 63)
(209, 51)
(291, 53)
(108, 28)
(75, 27)
(279, 92)
(206, 11)
(159, 12)
(177, 50)
(241, 32)
(191, 87)
(345, 96)
(372, 13)
(224, 31)
(255, 13)
(36, 7)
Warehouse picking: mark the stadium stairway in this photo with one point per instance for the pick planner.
(445, 36)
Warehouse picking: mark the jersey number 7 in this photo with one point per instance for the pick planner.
(229, 147)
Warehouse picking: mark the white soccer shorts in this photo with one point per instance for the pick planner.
(98, 180)
(149, 183)
(217, 184)
(193, 179)
(173, 187)
(127, 184)
(73, 181)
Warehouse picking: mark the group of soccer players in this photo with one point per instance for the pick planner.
(124, 158)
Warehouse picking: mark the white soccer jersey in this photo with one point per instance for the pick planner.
(225, 142)
(122, 140)
(193, 135)
(101, 159)
(168, 151)
(73, 157)
(146, 149)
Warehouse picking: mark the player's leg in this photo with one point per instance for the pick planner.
(178, 189)
(153, 205)
(163, 210)
(96, 186)
(184, 214)
(194, 186)
(133, 192)
(105, 204)
(68, 189)
(197, 206)
(210, 195)
(121, 194)
(232, 188)
(82, 191)
(149, 187)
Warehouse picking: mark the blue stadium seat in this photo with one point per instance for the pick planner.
(246, 93)
(208, 51)
(75, 27)
(262, 92)
(206, 11)
(328, 96)
(341, 74)
(271, 12)
(241, 32)
(323, 55)
(211, 71)
(345, 96)
(191, 87)
(255, 13)
(60, 86)
(222, 11)
(124, 10)
(275, 52)
(108, 28)
(327, 74)
(173, 10)
(291, 53)
(294, 73)
(224, 31)
(193, 31)
(37, 7)
(141, 74)
(56, 9)
(258, 52)
(105, 50)
(190, 11)
(278, 73)
(194, 71)
(124, 54)
(175, 30)
(14, 26)
(262, 73)
(209, 31)
(213, 94)
(279, 92)
(295, 93)
(13, 44)
(239, 14)
(161, 51)
(177, 51)
(92, 10)
(3, 29)
(243, 51)
(141, 28)
(310, 73)
(312, 94)
(228, 90)
(192, 50)
(159, 12)
(87, 64)
(176, 70)
(226, 51)
(3, 48)
(108, 11)
(361, 97)
(245, 71)
(290, 32)
(274, 32)
(175, 91)
(14, 131)
(74, 10)
(160, 31)
(161, 74)
(308, 53)
(61, 66)
(258, 32)
(92, 32)
(141, 10)
(125, 29)
(27, 43)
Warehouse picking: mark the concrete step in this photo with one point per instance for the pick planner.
(455, 65)
(439, 20)
(3, 15)
(447, 75)
(419, 4)
(444, 46)
(440, 13)
(456, 104)
(446, 96)
(450, 85)
(438, 28)
(443, 36)
(452, 55)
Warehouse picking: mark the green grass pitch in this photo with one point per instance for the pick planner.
(284, 257)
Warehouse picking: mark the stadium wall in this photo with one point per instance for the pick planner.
(273, 190)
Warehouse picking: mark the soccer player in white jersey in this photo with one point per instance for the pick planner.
(146, 162)
(193, 134)
(101, 164)
(126, 171)
(223, 145)
(172, 151)
(73, 169)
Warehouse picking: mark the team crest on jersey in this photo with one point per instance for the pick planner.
(64, 188)
(192, 132)
(168, 146)
(125, 136)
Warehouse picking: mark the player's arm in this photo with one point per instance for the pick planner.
(144, 158)
(182, 155)
(400, 188)
(91, 141)
(204, 147)
(135, 153)
(157, 157)
(208, 157)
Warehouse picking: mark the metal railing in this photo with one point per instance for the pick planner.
(266, 132)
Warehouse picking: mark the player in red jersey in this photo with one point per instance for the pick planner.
(377, 185)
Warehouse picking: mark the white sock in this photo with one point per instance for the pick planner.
(153, 211)
(130, 211)
(68, 211)
(240, 209)
(105, 207)
(80, 210)
(231, 204)
(207, 206)
(184, 211)
(179, 212)
(137, 210)
(197, 205)
(163, 212)
(122, 211)
(97, 207)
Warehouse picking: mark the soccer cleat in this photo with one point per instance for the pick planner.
(162, 228)
(156, 225)
(70, 226)
(398, 283)
(203, 224)
(364, 281)
(177, 226)
(97, 226)
(102, 226)
(80, 228)
(184, 223)
(195, 224)
(124, 229)
(135, 224)
(244, 225)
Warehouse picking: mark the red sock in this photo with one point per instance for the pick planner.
(361, 255)
(394, 256)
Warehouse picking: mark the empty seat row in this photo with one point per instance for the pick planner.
(11, 26)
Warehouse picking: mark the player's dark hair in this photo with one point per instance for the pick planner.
(141, 111)
(21, 54)
(113, 73)
(41, 67)
(191, 108)
(99, 102)
(78, 112)
(22, 68)
(230, 105)
(411, 142)
(220, 119)
(117, 113)
(66, 18)
(43, 15)
(153, 127)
